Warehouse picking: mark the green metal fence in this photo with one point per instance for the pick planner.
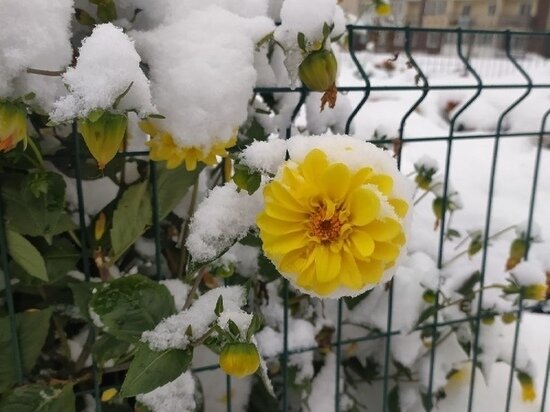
(409, 47)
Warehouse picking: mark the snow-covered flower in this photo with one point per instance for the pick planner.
(164, 148)
(13, 125)
(331, 226)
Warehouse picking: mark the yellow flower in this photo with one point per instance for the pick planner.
(163, 147)
(13, 125)
(327, 227)
(103, 133)
(383, 9)
(528, 391)
(239, 359)
(535, 292)
(108, 394)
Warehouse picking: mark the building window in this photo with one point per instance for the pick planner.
(435, 7)
(466, 10)
(492, 9)
(525, 9)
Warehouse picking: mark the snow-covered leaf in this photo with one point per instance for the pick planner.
(128, 306)
(38, 397)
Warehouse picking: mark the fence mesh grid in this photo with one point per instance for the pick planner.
(407, 45)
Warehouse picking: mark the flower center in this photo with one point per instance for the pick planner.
(326, 229)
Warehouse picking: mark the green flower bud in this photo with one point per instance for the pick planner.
(240, 359)
(318, 70)
(103, 135)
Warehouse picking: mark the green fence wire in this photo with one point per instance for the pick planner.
(409, 48)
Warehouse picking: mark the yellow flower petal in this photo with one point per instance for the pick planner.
(314, 165)
(364, 207)
(384, 183)
(335, 181)
(362, 243)
(327, 264)
(383, 230)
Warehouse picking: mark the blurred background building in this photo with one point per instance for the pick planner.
(523, 15)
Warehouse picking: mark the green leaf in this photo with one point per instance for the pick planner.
(82, 294)
(151, 369)
(95, 115)
(255, 325)
(393, 400)
(233, 328)
(353, 302)
(32, 329)
(261, 400)
(60, 257)
(32, 215)
(219, 306)
(83, 17)
(106, 11)
(301, 38)
(245, 179)
(26, 255)
(108, 348)
(156, 116)
(426, 313)
(267, 269)
(130, 305)
(39, 398)
(467, 287)
(122, 95)
(172, 185)
(131, 217)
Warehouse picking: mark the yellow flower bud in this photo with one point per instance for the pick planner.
(535, 292)
(239, 359)
(508, 318)
(108, 394)
(100, 226)
(13, 125)
(528, 391)
(318, 70)
(383, 9)
(103, 135)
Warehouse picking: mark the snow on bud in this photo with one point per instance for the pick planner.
(239, 359)
(13, 125)
(103, 133)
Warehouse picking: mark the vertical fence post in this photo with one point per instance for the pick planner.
(84, 242)
(9, 295)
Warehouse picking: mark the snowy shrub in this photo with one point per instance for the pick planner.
(159, 221)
